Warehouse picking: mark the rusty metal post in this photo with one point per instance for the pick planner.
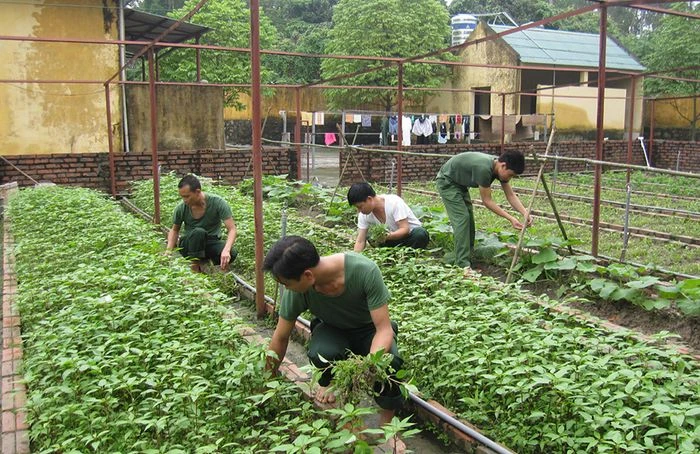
(633, 81)
(600, 125)
(503, 122)
(154, 137)
(257, 154)
(198, 60)
(297, 132)
(110, 141)
(399, 161)
(651, 129)
(157, 67)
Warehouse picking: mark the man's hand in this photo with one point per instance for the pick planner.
(530, 220)
(225, 258)
(517, 224)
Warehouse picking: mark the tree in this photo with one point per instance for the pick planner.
(230, 24)
(521, 11)
(160, 7)
(675, 44)
(389, 28)
(303, 26)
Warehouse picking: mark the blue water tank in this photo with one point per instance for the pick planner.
(462, 26)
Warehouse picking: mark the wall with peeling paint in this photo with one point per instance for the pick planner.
(43, 118)
(575, 108)
(189, 117)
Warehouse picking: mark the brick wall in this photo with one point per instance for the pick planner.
(378, 166)
(92, 169)
(666, 153)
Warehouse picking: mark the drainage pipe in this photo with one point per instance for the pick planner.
(457, 424)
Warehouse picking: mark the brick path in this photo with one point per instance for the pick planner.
(15, 433)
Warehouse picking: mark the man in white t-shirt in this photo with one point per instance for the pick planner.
(404, 227)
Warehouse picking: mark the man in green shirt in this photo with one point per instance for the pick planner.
(346, 294)
(472, 170)
(202, 215)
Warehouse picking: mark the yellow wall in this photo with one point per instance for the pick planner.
(189, 117)
(274, 101)
(575, 113)
(57, 118)
(670, 113)
(495, 52)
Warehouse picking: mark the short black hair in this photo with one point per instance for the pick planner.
(290, 257)
(515, 161)
(191, 181)
(359, 192)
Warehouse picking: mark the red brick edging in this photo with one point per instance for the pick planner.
(15, 432)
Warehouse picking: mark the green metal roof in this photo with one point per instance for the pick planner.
(556, 47)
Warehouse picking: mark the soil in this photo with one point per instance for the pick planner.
(685, 330)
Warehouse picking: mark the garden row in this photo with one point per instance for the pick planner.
(673, 256)
(531, 377)
(125, 350)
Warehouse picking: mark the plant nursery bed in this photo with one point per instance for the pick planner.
(684, 331)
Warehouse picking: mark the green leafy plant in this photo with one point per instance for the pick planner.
(530, 377)
(126, 350)
(376, 234)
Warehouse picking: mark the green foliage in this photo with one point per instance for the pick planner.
(376, 234)
(535, 379)
(390, 28)
(674, 44)
(126, 351)
(159, 7)
(230, 24)
(303, 26)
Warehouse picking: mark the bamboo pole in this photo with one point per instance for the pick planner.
(516, 254)
(553, 205)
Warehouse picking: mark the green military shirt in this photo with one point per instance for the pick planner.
(215, 213)
(471, 169)
(364, 291)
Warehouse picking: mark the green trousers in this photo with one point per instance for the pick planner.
(417, 239)
(459, 209)
(197, 245)
(334, 344)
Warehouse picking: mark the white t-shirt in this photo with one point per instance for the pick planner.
(395, 210)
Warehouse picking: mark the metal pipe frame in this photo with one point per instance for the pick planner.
(633, 83)
(149, 46)
(257, 154)
(651, 128)
(297, 131)
(154, 136)
(110, 141)
(399, 141)
(600, 125)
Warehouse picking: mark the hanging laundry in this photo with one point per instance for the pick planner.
(393, 125)
(319, 118)
(458, 119)
(406, 130)
(366, 120)
(422, 126)
(357, 118)
(349, 118)
(329, 138)
(443, 135)
(307, 117)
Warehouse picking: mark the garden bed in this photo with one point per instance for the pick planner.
(534, 378)
(126, 350)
